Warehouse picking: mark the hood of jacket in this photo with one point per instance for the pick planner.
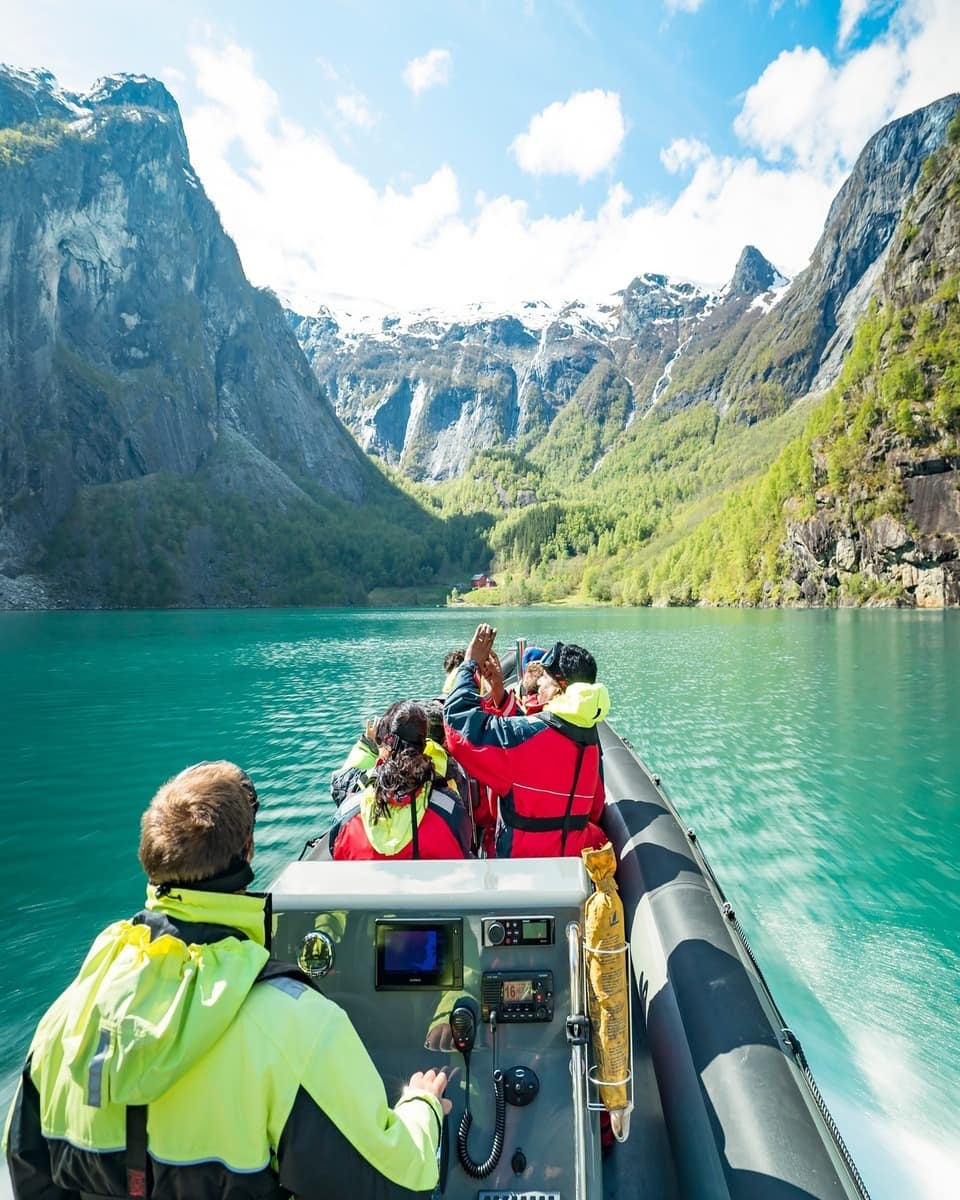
(582, 704)
(144, 1009)
(393, 832)
(365, 758)
(438, 756)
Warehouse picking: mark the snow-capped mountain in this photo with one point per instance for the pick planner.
(424, 390)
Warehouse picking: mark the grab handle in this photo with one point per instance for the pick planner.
(577, 1034)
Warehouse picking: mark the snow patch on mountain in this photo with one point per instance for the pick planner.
(768, 300)
(577, 318)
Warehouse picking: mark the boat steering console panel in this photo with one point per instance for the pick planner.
(463, 966)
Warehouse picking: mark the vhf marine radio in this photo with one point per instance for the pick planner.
(512, 997)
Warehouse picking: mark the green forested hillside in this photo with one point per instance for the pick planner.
(588, 536)
(131, 543)
(892, 418)
(758, 505)
(900, 390)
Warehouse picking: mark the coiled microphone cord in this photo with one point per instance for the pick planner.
(482, 1170)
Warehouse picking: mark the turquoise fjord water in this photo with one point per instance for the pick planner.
(816, 754)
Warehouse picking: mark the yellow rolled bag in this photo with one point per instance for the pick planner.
(608, 1000)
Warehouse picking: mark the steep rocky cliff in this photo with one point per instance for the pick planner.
(799, 347)
(135, 355)
(698, 371)
(862, 504)
(886, 467)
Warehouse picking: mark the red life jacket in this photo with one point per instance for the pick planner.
(443, 831)
(550, 784)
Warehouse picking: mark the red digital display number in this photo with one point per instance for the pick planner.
(516, 991)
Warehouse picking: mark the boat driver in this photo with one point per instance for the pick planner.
(183, 1061)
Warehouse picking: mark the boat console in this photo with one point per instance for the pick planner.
(404, 947)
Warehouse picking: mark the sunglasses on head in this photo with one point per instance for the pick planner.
(551, 660)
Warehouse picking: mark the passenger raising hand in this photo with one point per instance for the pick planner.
(481, 643)
(492, 672)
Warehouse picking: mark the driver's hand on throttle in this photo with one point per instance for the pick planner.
(439, 1039)
(430, 1081)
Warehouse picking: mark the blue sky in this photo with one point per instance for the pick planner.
(412, 154)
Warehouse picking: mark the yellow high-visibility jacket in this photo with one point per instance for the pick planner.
(253, 1083)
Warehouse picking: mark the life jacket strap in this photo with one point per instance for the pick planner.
(562, 825)
(541, 824)
(565, 828)
(138, 1166)
(415, 822)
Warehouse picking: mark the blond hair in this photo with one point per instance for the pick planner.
(197, 824)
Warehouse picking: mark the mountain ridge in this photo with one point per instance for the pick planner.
(136, 356)
(424, 391)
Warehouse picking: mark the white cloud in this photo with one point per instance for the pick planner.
(929, 31)
(30, 41)
(851, 13)
(304, 220)
(173, 77)
(354, 108)
(313, 227)
(682, 153)
(805, 110)
(793, 112)
(429, 71)
(690, 6)
(580, 136)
